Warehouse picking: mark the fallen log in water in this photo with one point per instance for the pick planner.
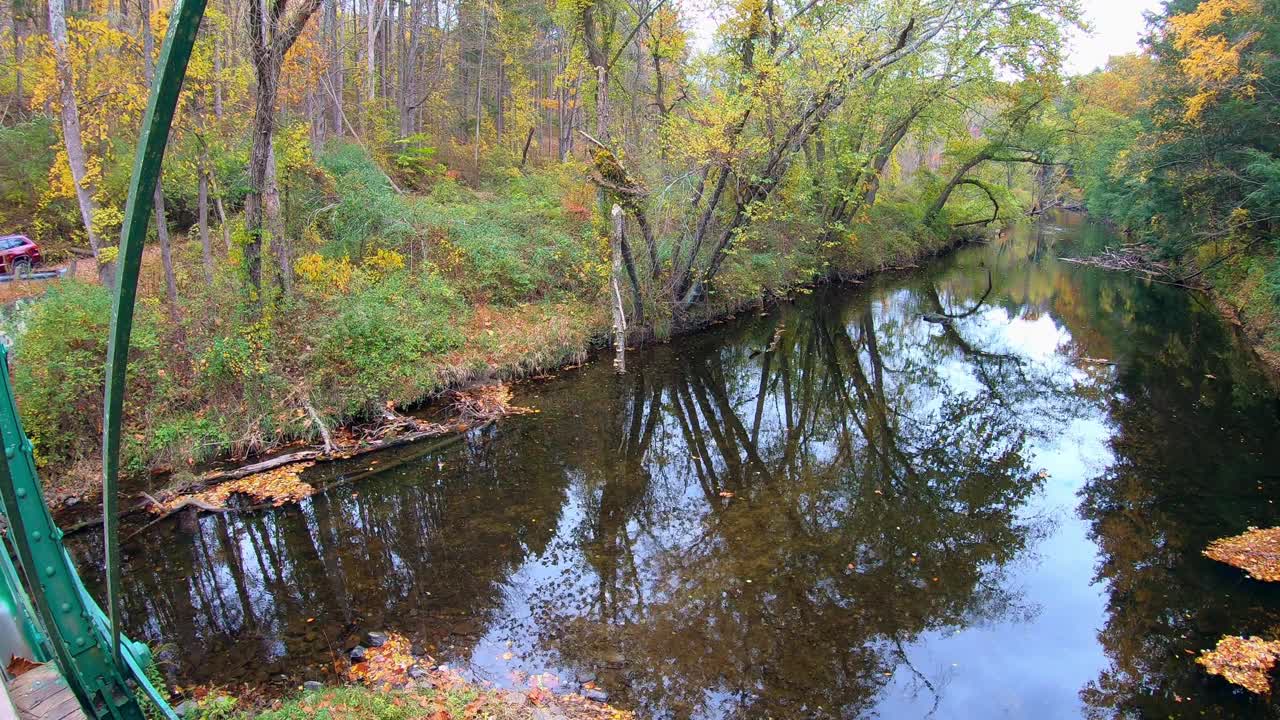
(275, 481)
(1133, 258)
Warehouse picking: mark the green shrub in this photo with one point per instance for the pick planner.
(377, 345)
(59, 369)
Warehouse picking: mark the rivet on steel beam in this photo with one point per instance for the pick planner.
(21, 492)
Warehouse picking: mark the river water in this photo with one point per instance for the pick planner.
(828, 508)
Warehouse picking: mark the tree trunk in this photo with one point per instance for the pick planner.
(162, 220)
(275, 223)
(18, 93)
(941, 201)
(259, 158)
(202, 211)
(71, 130)
(166, 255)
(333, 76)
(374, 18)
(619, 314)
(484, 31)
(217, 80)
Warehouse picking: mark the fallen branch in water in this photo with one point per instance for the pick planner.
(276, 481)
(189, 502)
(479, 404)
(1132, 258)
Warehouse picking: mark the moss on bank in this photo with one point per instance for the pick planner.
(1245, 291)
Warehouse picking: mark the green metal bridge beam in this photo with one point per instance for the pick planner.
(60, 620)
(184, 23)
(72, 630)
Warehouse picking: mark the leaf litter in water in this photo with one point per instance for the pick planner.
(387, 668)
(1247, 662)
(1257, 552)
(278, 487)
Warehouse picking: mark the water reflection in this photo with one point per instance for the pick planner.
(834, 510)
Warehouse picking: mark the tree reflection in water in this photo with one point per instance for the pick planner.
(775, 519)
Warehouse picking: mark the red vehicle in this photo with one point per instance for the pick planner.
(18, 255)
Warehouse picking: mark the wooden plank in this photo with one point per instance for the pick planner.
(68, 707)
(42, 694)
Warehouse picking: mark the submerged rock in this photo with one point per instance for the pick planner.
(312, 686)
(596, 695)
(358, 653)
(935, 318)
(375, 639)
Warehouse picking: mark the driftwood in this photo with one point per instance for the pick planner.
(477, 407)
(1131, 258)
(194, 503)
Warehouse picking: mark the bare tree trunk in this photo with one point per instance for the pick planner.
(71, 130)
(270, 37)
(202, 211)
(18, 93)
(275, 224)
(166, 255)
(333, 76)
(619, 314)
(217, 80)
(162, 220)
(373, 19)
(484, 30)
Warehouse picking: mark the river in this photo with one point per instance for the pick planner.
(826, 508)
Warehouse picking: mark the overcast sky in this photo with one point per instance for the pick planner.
(1116, 27)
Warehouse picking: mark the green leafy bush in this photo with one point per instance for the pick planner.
(59, 369)
(377, 346)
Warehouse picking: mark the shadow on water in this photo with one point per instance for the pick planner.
(832, 510)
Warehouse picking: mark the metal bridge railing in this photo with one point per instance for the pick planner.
(56, 616)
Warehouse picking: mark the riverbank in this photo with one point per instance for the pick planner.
(535, 349)
(437, 694)
(505, 288)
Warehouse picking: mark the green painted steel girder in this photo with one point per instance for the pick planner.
(184, 24)
(61, 620)
(72, 629)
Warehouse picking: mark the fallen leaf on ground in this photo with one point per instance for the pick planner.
(387, 664)
(1247, 662)
(1257, 552)
(18, 665)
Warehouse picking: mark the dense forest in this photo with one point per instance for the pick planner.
(1179, 147)
(366, 202)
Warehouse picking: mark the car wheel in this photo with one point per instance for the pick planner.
(21, 267)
